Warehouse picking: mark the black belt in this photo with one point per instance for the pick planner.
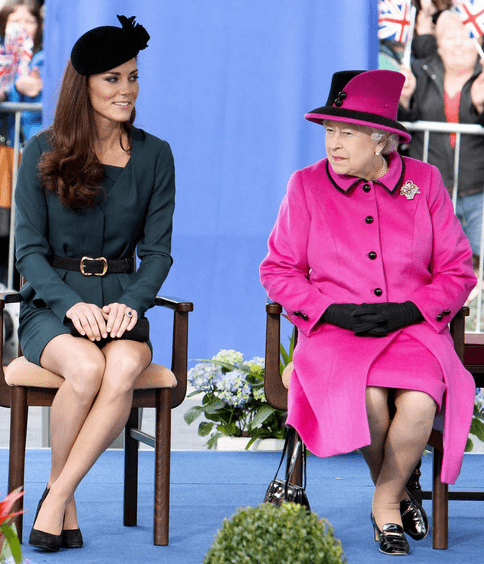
(89, 266)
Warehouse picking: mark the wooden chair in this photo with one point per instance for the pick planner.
(470, 349)
(23, 384)
(276, 387)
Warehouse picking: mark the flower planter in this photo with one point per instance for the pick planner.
(239, 444)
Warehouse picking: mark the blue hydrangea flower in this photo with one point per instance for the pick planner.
(229, 356)
(259, 394)
(479, 400)
(256, 365)
(233, 388)
(202, 376)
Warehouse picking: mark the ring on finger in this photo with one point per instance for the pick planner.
(129, 314)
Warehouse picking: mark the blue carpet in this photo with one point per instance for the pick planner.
(208, 486)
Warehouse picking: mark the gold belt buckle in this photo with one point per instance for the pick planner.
(82, 266)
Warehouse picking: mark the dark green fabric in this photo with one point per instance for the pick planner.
(136, 213)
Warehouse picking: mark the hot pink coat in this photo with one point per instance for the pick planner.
(319, 255)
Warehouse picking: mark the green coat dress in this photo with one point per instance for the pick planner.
(135, 213)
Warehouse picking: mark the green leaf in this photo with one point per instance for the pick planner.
(250, 443)
(225, 365)
(204, 428)
(195, 393)
(214, 405)
(477, 428)
(284, 356)
(192, 414)
(212, 441)
(13, 542)
(264, 413)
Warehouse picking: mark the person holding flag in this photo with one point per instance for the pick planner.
(448, 86)
(21, 30)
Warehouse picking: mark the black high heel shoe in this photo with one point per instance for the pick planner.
(414, 519)
(70, 538)
(40, 539)
(392, 538)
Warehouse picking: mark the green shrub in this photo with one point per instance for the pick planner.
(275, 535)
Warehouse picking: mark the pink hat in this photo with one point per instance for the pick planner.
(364, 98)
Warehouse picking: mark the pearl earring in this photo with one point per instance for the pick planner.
(377, 153)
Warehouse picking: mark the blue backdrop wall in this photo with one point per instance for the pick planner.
(227, 83)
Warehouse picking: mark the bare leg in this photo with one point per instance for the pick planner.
(81, 364)
(124, 360)
(379, 423)
(406, 440)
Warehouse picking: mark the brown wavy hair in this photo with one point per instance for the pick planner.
(71, 169)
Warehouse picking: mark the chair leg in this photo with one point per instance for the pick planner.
(18, 440)
(162, 467)
(131, 471)
(440, 505)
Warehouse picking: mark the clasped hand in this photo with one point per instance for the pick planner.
(373, 320)
(97, 323)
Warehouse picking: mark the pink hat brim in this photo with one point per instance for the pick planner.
(405, 137)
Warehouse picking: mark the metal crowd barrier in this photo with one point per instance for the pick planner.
(459, 129)
(15, 108)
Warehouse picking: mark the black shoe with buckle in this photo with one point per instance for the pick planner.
(414, 519)
(391, 538)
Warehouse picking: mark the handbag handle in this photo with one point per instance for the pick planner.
(291, 438)
(292, 465)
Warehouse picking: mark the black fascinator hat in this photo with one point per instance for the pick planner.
(106, 47)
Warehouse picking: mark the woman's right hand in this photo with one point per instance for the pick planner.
(408, 87)
(88, 319)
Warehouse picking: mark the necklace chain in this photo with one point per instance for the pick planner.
(384, 168)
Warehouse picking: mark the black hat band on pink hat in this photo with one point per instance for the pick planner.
(106, 47)
(364, 98)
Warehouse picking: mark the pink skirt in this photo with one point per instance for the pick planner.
(408, 365)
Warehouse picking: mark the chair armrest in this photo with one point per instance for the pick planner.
(175, 304)
(179, 357)
(10, 298)
(274, 307)
(275, 392)
(457, 330)
(5, 391)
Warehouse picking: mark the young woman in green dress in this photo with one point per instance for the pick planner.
(91, 190)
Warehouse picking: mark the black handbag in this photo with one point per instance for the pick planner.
(284, 490)
(140, 332)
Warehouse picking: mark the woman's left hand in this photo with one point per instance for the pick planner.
(119, 318)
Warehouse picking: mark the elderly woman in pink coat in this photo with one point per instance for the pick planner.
(370, 263)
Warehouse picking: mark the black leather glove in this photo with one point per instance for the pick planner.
(342, 316)
(387, 317)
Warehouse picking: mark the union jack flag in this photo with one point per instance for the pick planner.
(393, 19)
(472, 14)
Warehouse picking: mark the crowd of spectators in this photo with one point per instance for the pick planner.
(20, 20)
(445, 83)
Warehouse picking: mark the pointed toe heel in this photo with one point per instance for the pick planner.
(45, 541)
